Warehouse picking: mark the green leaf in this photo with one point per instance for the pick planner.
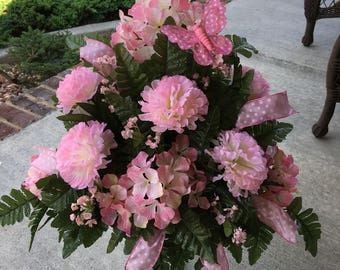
(116, 237)
(14, 207)
(241, 46)
(57, 194)
(124, 107)
(206, 130)
(227, 228)
(257, 241)
(88, 236)
(168, 59)
(75, 117)
(75, 42)
(236, 251)
(308, 224)
(198, 265)
(35, 218)
(194, 236)
(129, 75)
(270, 132)
(90, 108)
(129, 244)
(71, 242)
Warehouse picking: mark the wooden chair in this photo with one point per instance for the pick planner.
(315, 10)
(333, 91)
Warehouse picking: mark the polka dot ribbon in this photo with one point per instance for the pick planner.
(222, 261)
(275, 217)
(145, 253)
(263, 109)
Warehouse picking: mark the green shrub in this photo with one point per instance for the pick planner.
(50, 15)
(43, 55)
(3, 5)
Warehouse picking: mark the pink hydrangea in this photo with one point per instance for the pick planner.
(79, 86)
(242, 161)
(100, 55)
(259, 87)
(173, 103)
(42, 165)
(81, 153)
(282, 171)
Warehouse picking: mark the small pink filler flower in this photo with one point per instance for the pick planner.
(42, 165)
(173, 103)
(82, 151)
(242, 160)
(79, 86)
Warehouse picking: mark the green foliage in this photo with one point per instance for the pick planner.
(42, 55)
(241, 46)
(236, 251)
(116, 237)
(124, 107)
(193, 236)
(130, 77)
(308, 224)
(50, 15)
(258, 240)
(168, 59)
(270, 132)
(14, 207)
(35, 219)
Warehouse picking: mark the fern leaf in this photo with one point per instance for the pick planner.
(308, 225)
(192, 235)
(258, 241)
(169, 59)
(206, 130)
(130, 78)
(124, 107)
(58, 195)
(35, 219)
(14, 207)
(270, 132)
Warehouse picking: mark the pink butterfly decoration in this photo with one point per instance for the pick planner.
(203, 36)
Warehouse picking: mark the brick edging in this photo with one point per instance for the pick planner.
(29, 106)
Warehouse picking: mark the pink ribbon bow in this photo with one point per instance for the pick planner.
(262, 109)
(275, 217)
(145, 253)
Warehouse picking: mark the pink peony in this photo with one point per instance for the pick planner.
(81, 153)
(242, 160)
(282, 172)
(259, 87)
(173, 103)
(42, 165)
(79, 86)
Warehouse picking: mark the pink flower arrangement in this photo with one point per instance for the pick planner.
(173, 103)
(242, 161)
(42, 165)
(178, 168)
(79, 86)
(82, 151)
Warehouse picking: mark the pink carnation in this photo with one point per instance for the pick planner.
(42, 165)
(259, 87)
(242, 160)
(282, 171)
(81, 153)
(79, 86)
(173, 103)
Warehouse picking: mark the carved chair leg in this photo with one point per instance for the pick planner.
(320, 128)
(311, 13)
